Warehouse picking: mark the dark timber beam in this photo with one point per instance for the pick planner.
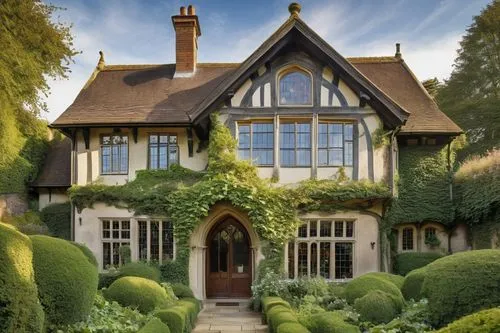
(189, 131)
(86, 137)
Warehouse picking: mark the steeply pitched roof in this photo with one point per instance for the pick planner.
(56, 170)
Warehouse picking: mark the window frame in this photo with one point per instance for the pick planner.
(251, 149)
(111, 240)
(403, 245)
(160, 239)
(158, 134)
(318, 239)
(295, 149)
(289, 70)
(101, 145)
(327, 149)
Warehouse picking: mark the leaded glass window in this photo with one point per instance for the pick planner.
(256, 143)
(156, 240)
(295, 144)
(335, 144)
(115, 233)
(295, 88)
(407, 239)
(114, 154)
(163, 151)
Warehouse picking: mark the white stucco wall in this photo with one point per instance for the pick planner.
(57, 196)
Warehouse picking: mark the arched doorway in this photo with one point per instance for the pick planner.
(229, 260)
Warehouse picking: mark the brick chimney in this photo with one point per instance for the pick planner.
(187, 31)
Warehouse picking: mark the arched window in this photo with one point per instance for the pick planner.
(295, 87)
(407, 239)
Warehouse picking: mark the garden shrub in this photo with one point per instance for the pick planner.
(86, 251)
(170, 291)
(144, 294)
(140, 269)
(336, 289)
(176, 318)
(412, 286)
(414, 318)
(274, 310)
(66, 279)
(20, 309)
(192, 309)
(271, 301)
(376, 307)
(181, 290)
(194, 301)
(173, 271)
(28, 223)
(278, 318)
(107, 278)
(479, 322)
(57, 217)
(331, 322)
(292, 328)
(155, 325)
(409, 261)
(361, 285)
(398, 280)
(461, 284)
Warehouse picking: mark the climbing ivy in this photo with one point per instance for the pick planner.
(186, 197)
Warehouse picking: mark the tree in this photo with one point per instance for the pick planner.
(471, 96)
(432, 86)
(33, 49)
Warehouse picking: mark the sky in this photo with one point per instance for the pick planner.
(141, 32)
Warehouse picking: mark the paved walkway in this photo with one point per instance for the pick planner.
(229, 319)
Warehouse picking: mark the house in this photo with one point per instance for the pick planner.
(299, 110)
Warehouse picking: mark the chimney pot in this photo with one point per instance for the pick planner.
(187, 31)
(191, 10)
(398, 50)
(183, 11)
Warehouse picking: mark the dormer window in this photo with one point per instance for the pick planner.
(295, 87)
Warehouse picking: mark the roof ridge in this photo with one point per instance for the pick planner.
(376, 59)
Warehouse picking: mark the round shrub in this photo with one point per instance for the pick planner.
(479, 322)
(155, 325)
(409, 261)
(141, 269)
(192, 310)
(461, 284)
(398, 280)
(175, 317)
(361, 285)
(271, 301)
(194, 301)
(144, 294)
(107, 278)
(66, 280)
(20, 310)
(181, 290)
(331, 322)
(412, 286)
(279, 318)
(275, 309)
(86, 251)
(57, 217)
(376, 307)
(292, 328)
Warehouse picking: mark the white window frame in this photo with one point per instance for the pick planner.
(148, 239)
(121, 241)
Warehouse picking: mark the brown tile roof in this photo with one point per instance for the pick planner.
(140, 94)
(396, 80)
(56, 170)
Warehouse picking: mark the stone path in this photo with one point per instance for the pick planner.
(229, 319)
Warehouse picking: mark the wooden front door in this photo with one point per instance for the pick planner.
(229, 261)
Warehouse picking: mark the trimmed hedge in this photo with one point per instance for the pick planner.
(362, 285)
(182, 291)
(278, 318)
(270, 301)
(479, 322)
(193, 309)
(140, 269)
(274, 310)
(409, 261)
(292, 328)
(86, 251)
(412, 286)
(176, 318)
(66, 280)
(398, 280)
(57, 217)
(155, 325)
(20, 309)
(461, 284)
(144, 294)
(376, 307)
(173, 271)
(331, 322)
(107, 278)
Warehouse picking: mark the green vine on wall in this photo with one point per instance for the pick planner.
(186, 197)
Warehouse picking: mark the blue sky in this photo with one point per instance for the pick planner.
(138, 32)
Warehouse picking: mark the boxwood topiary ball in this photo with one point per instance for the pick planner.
(398, 280)
(362, 285)
(66, 279)
(376, 307)
(137, 292)
(141, 269)
(20, 310)
(155, 325)
(412, 286)
(182, 291)
(482, 321)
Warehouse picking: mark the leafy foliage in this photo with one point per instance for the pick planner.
(363, 284)
(396, 279)
(292, 328)
(155, 325)
(20, 309)
(461, 284)
(66, 280)
(181, 290)
(57, 217)
(376, 307)
(412, 286)
(409, 261)
(413, 319)
(141, 269)
(482, 321)
(472, 94)
(86, 251)
(332, 322)
(432, 86)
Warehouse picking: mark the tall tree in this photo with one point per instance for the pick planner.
(432, 86)
(471, 97)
